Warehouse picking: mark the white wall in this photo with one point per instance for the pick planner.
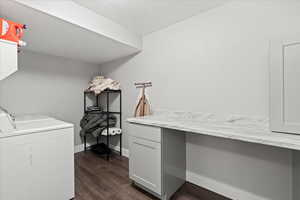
(218, 62)
(48, 85)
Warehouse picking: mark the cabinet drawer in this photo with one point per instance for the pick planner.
(145, 163)
(146, 132)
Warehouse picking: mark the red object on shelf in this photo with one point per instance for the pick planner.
(12, 31)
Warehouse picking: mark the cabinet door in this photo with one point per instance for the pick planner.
(145, 163)
(37, 166)
(53, 164)
(15, 169)
(8, 58)
(285, 85)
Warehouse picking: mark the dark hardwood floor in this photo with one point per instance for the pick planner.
(97, 179)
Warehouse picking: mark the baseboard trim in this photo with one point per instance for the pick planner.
(221, 188)
(80, 148)
(201, 181)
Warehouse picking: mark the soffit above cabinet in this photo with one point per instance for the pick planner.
(64, 28)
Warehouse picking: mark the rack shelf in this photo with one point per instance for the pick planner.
(105, 91)
(92, 111)
(107, 112)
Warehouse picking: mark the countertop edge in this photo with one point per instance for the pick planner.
(221, 134)
(64, 125)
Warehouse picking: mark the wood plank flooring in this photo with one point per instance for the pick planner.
(97, 179)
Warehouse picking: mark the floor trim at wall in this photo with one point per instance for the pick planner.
(220, 188)
(205, 182)
(80, 148)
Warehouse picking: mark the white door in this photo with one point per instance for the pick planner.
(285, 85)
(145, 163)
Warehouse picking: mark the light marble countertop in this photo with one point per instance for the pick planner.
(243, 128)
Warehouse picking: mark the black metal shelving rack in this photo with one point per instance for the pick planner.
(107, 112)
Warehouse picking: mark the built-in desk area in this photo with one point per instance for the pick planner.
(158, 152)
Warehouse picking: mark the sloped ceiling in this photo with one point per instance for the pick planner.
(96, 31)
(64, 28)
(146, 16)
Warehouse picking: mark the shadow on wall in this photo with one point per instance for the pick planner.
(47, 65)
(239, 164)
(48, 85)
(110, 67)
(251, 150)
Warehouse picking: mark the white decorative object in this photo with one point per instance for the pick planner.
(112, 131)
(284, 85)
(8, 58)
(100, 83)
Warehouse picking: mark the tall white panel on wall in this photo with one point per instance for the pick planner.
(285, 85)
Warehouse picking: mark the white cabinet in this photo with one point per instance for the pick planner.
(145, 157)
(285, 85)
(145, 163)
(157, 160)
(37, 166)
(8, 58)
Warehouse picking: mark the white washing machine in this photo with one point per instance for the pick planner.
(36, 158)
